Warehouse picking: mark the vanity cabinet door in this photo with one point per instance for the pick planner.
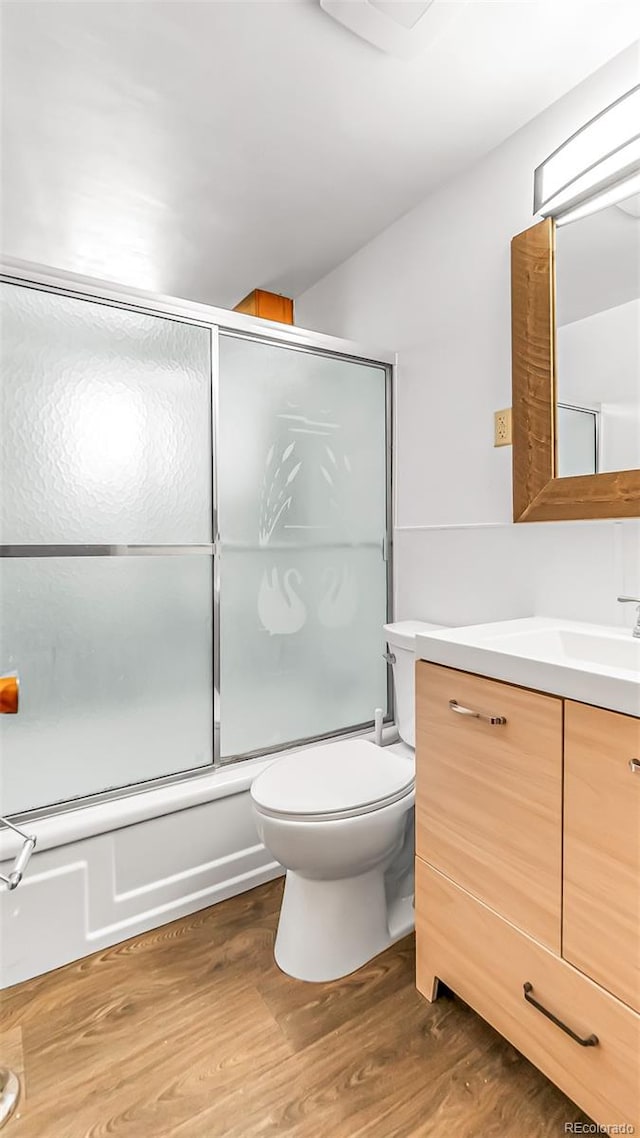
(489, 795)
(601, 912)
(488, 962)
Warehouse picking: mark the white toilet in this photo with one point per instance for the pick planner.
(339, 818)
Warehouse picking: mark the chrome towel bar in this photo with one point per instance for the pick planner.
(22, 860)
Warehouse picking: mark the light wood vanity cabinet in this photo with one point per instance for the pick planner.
(489, 799)
(543, 942)
(601, 910)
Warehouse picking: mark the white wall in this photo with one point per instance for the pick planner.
(436, 286)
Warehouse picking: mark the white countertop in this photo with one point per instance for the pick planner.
(590, 663)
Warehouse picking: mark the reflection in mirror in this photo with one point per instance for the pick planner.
(577, 429)
(598, 341)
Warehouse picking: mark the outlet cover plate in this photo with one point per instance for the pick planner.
(502, 428)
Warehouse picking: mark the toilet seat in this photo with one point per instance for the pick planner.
(338, 780)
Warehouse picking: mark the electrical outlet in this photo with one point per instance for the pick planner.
(502, 428)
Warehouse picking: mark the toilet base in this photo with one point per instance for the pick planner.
(328, 929)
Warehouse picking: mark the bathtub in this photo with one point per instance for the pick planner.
(106, 871)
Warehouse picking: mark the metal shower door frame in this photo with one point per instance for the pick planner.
(217, 321)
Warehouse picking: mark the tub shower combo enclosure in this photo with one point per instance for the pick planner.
(196, 515)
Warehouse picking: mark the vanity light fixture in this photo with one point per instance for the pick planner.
(598, 166)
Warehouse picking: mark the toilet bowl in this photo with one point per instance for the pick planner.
(339, 818)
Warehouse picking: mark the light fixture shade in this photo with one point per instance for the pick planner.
(597, 166)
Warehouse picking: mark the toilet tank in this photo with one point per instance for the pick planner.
(401, 642)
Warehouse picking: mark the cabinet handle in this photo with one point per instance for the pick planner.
(590, 1041)
(494, 720)
(634, 766)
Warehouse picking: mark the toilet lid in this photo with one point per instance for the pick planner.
(350, 776)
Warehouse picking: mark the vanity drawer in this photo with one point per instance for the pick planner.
(487, 962)
(601, 912)
(489, 796)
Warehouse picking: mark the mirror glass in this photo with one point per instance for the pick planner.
(598, 341)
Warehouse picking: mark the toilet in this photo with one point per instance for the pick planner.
(339, 818)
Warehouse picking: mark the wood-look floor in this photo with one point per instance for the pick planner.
(191, 1031)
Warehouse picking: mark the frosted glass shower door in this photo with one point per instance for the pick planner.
(302, 488)
(106, 578)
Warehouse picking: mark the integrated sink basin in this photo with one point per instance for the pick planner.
(594, 648)
(590, 663)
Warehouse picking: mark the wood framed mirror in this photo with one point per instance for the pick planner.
(540, 492)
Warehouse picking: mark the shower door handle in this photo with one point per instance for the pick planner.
(9, 695)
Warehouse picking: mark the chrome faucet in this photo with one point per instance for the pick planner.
(633, 601)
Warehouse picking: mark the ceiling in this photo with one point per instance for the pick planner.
(205, 148)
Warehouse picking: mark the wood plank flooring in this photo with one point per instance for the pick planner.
(191, 1031)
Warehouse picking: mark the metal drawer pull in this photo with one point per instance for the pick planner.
(389, 657)
(634, 766)
(494, 720)
(22, 860)
(590, 1041)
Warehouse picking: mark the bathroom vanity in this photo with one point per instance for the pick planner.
(528, 845)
